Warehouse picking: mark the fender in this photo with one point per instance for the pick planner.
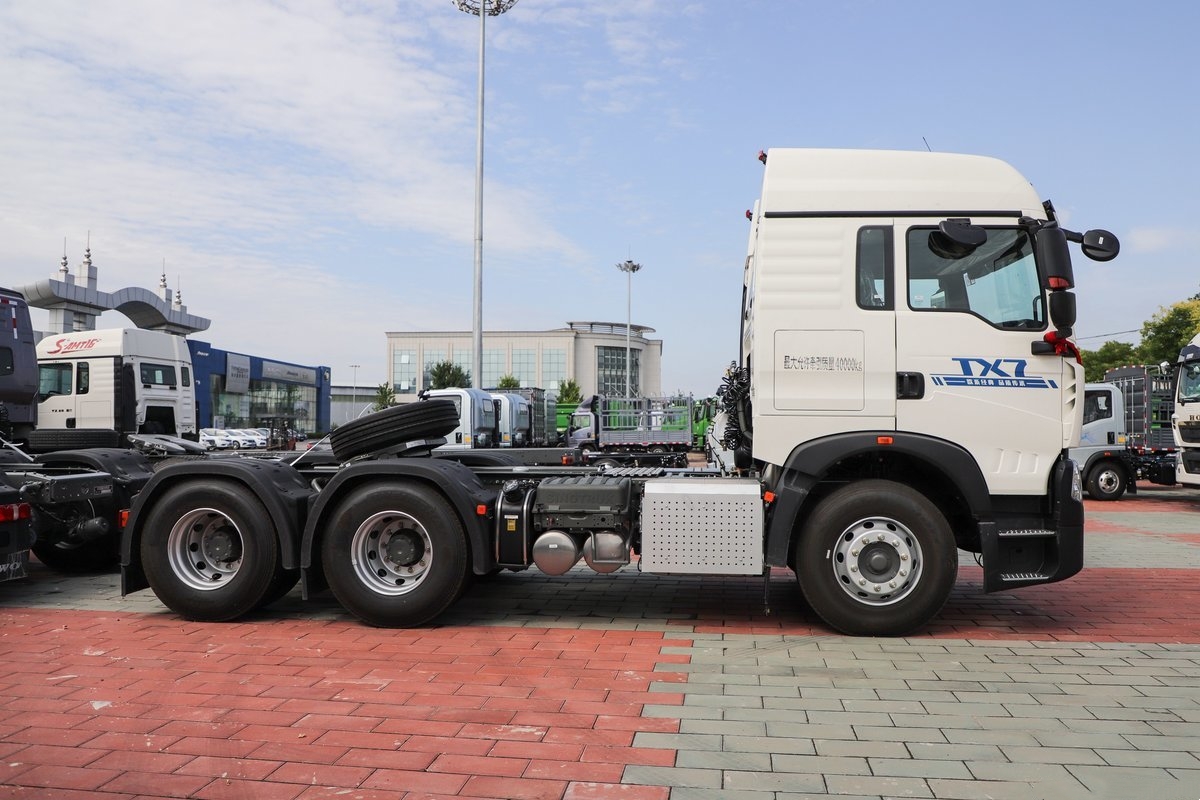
(460, 486)
(811, 461)
(282, 490)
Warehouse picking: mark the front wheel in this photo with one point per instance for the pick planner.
(876, 558)
(395, 555)
(1106, 481)
(210, 551)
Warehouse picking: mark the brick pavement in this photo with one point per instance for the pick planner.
(623, 686)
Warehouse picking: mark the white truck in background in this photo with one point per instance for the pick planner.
(1126, 434)
(514, 419)
(1186, 419)
(96, 387)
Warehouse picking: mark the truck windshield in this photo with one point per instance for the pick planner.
(998, 281)
(1189, 383)
(158, 375)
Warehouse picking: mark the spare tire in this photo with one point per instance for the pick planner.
(427, 419)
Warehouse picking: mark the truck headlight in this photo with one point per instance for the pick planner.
(1076, 482)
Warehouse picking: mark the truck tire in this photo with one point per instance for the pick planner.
(395, 555)
(1106, 481)
(876, 558)
(429, 419)
(210, 551)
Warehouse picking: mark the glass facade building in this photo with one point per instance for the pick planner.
(591, 353)
(234, 390)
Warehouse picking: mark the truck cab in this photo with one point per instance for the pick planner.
(513, 420)
(126, 380)
(1185, 422)
(478, 425)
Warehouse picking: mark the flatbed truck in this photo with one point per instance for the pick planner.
(906, 386)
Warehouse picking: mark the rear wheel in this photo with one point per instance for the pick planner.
(1106, 481)
(395, 555)
(876, 558)
(210, 552)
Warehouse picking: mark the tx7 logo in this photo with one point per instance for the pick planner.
(992, 373)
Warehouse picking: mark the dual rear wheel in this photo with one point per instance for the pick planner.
(394, 554)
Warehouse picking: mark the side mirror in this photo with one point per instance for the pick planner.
(1062, 309)
(1100, 245)
(1054, 258)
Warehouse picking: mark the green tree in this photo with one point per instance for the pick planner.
(385, 396)
(448, 375)
(508, 382)
(1165, 334)
(1109, 355)
(569, 393)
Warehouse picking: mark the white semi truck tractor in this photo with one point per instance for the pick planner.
(907, 386)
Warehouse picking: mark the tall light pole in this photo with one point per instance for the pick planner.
(354, 392)
(482, 9)
(628, 267)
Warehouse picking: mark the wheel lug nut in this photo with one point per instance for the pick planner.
(862, 582)
(853, 568)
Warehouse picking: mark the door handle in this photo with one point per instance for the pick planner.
(910, 385)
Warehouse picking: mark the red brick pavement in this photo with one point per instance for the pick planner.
(107, 705)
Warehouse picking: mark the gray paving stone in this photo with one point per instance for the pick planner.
(727, 760)
(894, 734)
(864, 749)
(770, 744)
(673, 776)
(779, 780)
(999, 771)
(1051, 755)
(956, 752)
(691, 793)
(917, 768)
(1173, 759)
(944, 789)
(883, 786)
(723, 727)
(820, 765)
(1133, 782)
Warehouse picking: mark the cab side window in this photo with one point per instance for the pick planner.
(873, 268)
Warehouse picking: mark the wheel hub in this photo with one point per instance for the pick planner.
(204, 549)
(877, 561)
(391, 552)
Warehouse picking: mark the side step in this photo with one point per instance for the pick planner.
(1017, 557)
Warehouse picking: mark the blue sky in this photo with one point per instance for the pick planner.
(306, 169)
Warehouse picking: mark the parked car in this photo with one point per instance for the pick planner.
(239, 439)
(260, 440)
(215, 439)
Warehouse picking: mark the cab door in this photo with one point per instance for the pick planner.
(57, 399)
(966, 322)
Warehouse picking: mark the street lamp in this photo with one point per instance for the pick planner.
(354, 392)
(482, 9)
(628, 267)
